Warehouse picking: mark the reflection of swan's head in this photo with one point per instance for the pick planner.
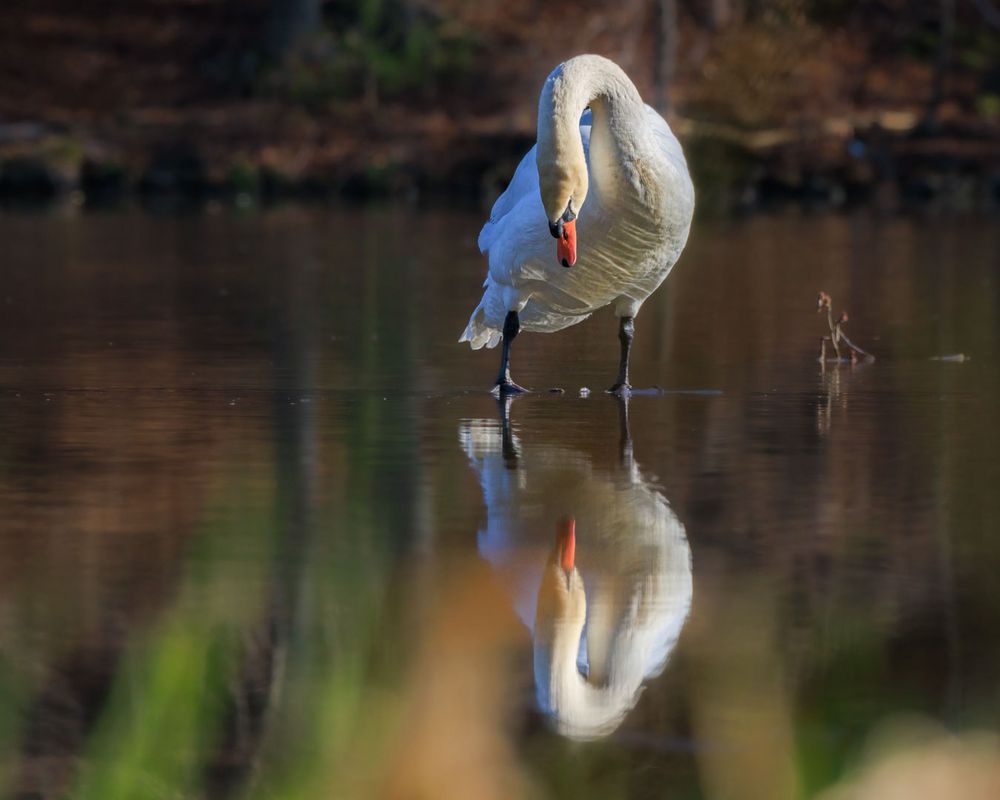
(562, 605)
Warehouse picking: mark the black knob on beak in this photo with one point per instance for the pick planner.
(556, 229)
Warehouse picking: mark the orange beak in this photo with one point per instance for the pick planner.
(567, 543)
(566, 248)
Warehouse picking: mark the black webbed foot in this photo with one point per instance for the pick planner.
(507, 387)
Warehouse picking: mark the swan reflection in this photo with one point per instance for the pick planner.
(598, 565)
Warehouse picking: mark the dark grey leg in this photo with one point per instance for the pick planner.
(504, 385)
(510, 454)
(626, 331)
(624, 433)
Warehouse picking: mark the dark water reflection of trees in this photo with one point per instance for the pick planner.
(238, 539)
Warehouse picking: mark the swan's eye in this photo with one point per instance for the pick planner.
(557, 228)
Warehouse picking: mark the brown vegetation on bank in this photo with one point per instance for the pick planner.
(833, 101)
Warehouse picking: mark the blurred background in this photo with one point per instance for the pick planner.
(265, 534)
(896, 101)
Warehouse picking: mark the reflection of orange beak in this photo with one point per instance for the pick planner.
(566, 249)
(567, 543)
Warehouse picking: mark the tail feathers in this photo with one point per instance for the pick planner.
(480, 438)
(478, 333)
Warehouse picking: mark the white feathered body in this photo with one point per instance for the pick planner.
(630, 230)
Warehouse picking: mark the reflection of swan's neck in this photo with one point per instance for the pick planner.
(580, 707)
(560, 658)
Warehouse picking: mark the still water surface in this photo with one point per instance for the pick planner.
(264, 531)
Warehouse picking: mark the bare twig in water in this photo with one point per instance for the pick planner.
(825, 302)
(837, 336)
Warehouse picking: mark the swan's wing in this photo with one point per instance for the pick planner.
(523, 185)
(515, 238)
(524, 182)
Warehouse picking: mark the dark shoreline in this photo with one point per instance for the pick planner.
(949, 171)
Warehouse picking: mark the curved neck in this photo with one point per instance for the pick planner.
(618, 116)
(581, 708)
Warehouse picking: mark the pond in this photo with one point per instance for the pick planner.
(266, 533)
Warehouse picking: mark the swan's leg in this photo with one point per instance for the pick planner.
(624, 433)
(626, 331)
(504, 385)
(509, 449)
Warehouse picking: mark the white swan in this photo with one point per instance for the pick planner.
(615, 248)
(607, 601)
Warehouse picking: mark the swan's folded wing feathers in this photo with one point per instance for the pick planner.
(672, 150)
(525, 180)
(516, 241)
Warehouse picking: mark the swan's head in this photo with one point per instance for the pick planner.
(563, 190)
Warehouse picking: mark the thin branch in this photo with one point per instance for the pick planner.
(825, 303)
(854, 347)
